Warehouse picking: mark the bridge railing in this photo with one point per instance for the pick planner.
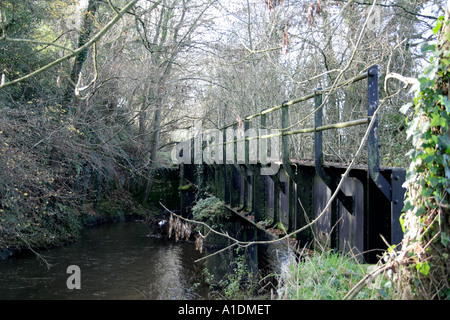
(238, 143)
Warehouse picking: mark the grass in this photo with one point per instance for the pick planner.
(328, 275)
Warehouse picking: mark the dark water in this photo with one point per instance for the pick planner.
(116, 261)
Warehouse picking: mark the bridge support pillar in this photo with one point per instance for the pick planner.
(259, 196)
(304, 204)
(378, 221)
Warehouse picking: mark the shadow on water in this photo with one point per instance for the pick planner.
(117, 261)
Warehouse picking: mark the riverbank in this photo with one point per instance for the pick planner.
(61, 224)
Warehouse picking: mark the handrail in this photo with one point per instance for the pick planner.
(298, 100)
(242, 135)
(339, 125)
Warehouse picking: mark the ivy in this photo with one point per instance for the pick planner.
(428, 130)
(428, 177)
(210, 210)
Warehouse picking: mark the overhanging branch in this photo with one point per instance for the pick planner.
(95, 39)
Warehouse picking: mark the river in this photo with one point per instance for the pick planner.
(116, 261)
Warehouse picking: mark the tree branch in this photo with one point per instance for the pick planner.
(393, 5)
(96, 38)
(77, 87)
(36, 42)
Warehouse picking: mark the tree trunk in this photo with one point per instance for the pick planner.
(83, 38)
(154, 142)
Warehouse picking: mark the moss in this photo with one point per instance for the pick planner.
(186, 187)
(165, 189)
(118, 206)
(281, 227)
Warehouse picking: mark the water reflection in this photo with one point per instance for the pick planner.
(117, 261)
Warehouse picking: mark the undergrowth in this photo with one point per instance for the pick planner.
(329, 275)
(237, 282)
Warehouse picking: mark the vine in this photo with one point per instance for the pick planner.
(425, 218)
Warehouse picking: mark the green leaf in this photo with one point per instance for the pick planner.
(430, 151)
(436, 120)
(428, 47)
(423, 268)
(421, 210)
(424, 83)
(444, 239)
(408, 206)
(404, 109)
(411, 153)
(392, 248)
(412, 127)
(438, 26)
(427, 158)
(435, 181)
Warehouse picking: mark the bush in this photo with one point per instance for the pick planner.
(210, 210)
